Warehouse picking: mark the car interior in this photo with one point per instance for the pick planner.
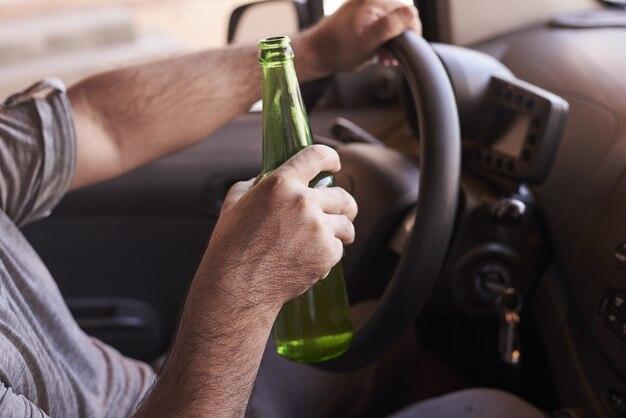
(489, 167)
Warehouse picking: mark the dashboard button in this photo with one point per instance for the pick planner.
(613, 312)
(619, 256)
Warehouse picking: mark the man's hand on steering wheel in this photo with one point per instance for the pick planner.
(354, 34)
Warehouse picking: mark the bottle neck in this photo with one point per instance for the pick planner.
(286, 127)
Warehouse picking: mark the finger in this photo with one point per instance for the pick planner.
(416, 23)
(334, 255)
(337, 201)
(236, 191)
(309, 162)
(341, 227)
(413, 17)
(393, 24)
(337, 252)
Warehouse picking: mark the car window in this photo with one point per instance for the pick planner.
(72, 39)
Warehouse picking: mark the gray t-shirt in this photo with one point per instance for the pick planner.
(48, 366)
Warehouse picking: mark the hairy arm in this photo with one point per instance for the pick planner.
(247, 273)
(212, 366)
(127, 117)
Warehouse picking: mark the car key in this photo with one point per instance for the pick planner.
(508, 306)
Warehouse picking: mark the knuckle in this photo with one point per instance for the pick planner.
(346, 203)
(351, 238)
(342, 193)
(396, 21)
(349, 203)
(316, 151)
(347, 228)
(406, 10)
(276, 183)
(350, 233)
(303, 199)
(336, 252)
(354, 208)
(387, 25)
(407, 15)
(323, 152)
(317, 226)
(234, 188)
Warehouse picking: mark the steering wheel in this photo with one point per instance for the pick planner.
(440, 167)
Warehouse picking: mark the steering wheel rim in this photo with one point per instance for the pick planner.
(440, 168)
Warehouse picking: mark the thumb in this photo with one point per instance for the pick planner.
(392, 25)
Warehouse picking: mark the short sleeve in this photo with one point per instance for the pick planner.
(17, 406)
(37, 151)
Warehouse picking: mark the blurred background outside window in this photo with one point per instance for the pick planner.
(331, 5)
(71, 39)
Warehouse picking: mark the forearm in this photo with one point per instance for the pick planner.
(127, 117)
(246, 275)
(213, 363)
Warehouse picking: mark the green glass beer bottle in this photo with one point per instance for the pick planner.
(314, 326)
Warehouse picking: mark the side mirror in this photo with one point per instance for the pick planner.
(261, 19)
(253, 21)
